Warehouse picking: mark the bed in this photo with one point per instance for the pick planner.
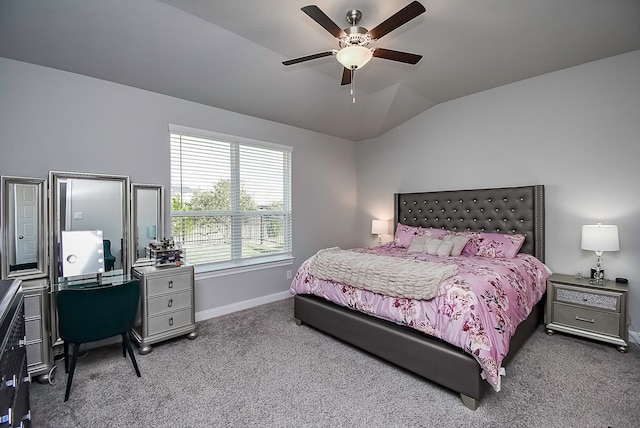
(511, 210)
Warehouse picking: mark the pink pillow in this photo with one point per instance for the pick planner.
(493, 245)
(404, 234)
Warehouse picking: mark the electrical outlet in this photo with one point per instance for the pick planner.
(288, 274)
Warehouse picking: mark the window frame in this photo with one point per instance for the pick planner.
(238, 264)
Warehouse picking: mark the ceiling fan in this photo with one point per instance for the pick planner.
(353, 41)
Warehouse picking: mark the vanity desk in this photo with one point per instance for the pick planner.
(166, 305)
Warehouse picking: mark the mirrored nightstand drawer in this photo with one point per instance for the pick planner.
(576, 296)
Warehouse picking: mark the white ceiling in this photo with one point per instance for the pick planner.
(228, 54)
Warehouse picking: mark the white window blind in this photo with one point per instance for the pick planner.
(230, 198)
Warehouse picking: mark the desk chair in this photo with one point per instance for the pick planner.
(90, 314)
(109, 259)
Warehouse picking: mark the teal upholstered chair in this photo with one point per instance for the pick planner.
(97, 313)
(109, 259)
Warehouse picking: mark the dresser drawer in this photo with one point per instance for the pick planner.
(33, 330)
(587, 319)
(576, 296)
(162, 323)
(34, 353)
(32, 306)
(168, 302)
(165, 284)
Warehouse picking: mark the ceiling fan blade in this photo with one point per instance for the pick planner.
(325, 22)
(409, 58)
(308, 57)
(346, 76)
(401, 17)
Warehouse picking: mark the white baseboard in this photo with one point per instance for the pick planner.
(634, 337)
(246, 304)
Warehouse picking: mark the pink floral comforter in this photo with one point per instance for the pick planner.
(477, 310)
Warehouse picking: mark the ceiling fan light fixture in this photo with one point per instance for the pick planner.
(353, 57)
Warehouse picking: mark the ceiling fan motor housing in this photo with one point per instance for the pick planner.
(356, 36)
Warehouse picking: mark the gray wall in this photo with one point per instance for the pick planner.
(577, 131)
(54, 120)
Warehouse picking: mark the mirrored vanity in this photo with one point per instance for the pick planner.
(89, 205)
(80, 228)
(24, 257)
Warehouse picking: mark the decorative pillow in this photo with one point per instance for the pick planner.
(417, 244)
(494, 245)
(404, 234)
(437, 233)
(432, 246)
(458, 241)
(444, 249)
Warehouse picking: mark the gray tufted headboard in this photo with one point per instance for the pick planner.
(502, 210)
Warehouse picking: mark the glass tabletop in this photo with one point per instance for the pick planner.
(91, 281)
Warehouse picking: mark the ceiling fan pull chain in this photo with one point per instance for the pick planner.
(353, 84)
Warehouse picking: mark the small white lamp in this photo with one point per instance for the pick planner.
(599, 237)
(379, 227)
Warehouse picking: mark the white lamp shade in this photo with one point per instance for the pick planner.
(354, 56)
(600, 237)
(379, 227)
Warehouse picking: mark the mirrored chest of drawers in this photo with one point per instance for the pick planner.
(167, 307)
(597, 312)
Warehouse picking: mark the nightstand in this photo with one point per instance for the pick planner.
(597, 312)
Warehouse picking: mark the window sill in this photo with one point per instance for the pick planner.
(232, 268)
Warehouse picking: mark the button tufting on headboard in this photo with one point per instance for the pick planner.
(517, 209)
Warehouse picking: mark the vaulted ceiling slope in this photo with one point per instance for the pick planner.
(229, 54)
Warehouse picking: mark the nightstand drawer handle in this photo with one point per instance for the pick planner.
(585, 299)
(585, 320)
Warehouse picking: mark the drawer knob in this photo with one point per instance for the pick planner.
(170, 303)
(171, 284)
(171, 321)
(585, 299)
(585, 319)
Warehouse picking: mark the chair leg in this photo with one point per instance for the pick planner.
(66, 357)
(74, 358)
(127, 343)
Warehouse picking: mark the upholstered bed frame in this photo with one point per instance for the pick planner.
(503, 210)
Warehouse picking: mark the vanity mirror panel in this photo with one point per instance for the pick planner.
(147, 219)
(90, 202)
(24, 228)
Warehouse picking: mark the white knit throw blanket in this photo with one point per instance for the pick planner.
(391, 276)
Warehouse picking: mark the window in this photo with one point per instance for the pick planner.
(230, 199)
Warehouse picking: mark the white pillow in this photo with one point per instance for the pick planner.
(438, 247)
(444, 249)
(458, 243)
(432, 246)
(417, 244)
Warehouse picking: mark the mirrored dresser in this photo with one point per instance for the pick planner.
(14, 389)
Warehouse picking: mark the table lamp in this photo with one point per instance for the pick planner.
(379, 227)
(599, 237)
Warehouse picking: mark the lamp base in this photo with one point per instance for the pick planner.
(597, 277)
